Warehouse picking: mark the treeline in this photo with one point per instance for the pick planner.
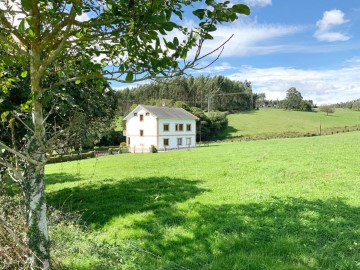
(293, 101)
(218, 93)
(354, 104)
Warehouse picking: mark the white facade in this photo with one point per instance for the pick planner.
(148, 125)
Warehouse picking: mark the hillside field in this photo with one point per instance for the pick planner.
(268, 122)
(271, 204)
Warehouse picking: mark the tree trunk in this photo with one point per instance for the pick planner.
(36, 219)
(35, 186)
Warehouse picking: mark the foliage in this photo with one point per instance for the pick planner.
(209, 127)
(327, 108)
(111, 137)
(294, 101)
(275, 204)
(226, 95)
(153, 149)
(12, 231)
(354, 104)
(219, 122)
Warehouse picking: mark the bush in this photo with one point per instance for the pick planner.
(153, 149)
(64, 158)
(111, 137)
(13, 239)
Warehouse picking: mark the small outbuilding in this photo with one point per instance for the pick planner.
(162, 127)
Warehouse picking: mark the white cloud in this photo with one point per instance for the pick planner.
(250, 38)
(83, 17)
(261, 3)
(322, 86)
(325, 26)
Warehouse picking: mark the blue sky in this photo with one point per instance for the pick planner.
(311, 45)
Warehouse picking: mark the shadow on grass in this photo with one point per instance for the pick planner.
(291, 233)
(282, 233)
(228, 132)
(111, 198)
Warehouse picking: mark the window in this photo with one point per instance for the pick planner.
(166, 142)
(135, 114)
(128, 140)
(179, 127)
(147, 114)
(188, 141)
(188, 127)
(141, 132)
(179, 141)
(141, 117)
(166, 127)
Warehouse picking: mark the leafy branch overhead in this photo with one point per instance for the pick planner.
(129, 39)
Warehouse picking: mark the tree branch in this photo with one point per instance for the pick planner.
(12, 151)
(13, 30)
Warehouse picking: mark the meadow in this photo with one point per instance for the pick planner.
(269, 122)
(274, 204)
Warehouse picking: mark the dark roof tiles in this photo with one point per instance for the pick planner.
(166, 112)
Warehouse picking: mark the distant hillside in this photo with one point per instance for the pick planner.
(270, 123)
(222, 93)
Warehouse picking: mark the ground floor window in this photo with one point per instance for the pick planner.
(166, 142)
(141, 132)
(179, 141)
(188, 141)
(128, 140)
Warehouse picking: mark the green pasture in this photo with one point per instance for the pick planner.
(272, 122)
(274, 204)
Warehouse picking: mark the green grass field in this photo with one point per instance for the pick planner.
(272, 122)
(274, 204)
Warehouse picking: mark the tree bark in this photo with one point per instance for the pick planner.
(35, 185)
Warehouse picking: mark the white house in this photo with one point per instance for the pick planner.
(162, 127)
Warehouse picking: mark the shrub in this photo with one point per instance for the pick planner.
(13, 239)
(153, 149)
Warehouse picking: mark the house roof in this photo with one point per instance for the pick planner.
(166, 112)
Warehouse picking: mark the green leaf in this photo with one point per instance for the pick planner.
(77, 81)
(200, 13)
(4, 116)
(129, 76)
(31, 32)
(26, 4)
(184, 54)
(169, 26)
(176, 41)
(24, 74)
(22, 26)
(240, 8)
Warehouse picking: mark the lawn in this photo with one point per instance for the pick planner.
(270, 122)
(274, 204)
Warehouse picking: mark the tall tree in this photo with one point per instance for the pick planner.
(121, 40)
(293, 99)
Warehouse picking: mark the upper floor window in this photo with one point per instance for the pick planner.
(135, 114)
(141, 132)
(141, 117)
(188, 127)
(147, 113)
(166, 127)
(179, 127)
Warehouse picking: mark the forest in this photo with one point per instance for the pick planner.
(216, 93)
